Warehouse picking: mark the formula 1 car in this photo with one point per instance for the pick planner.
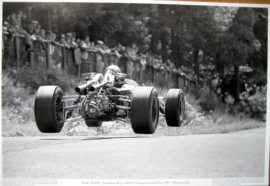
(108, 97)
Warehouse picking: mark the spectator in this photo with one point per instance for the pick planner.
(87, 41)
(53, 37)
(37, 31)
(73, 34)
(132, 52)
(100, 46)
(92, 46)
(5, 27)
(42, 39)
(84, 46)
(69, 38)
(31, 27)
(122, 51)
(16, 20)
(78, 41)
(42, 34)
(99, 58)
(13, 21)
(117, 49)
(63, 41)
(73, 42)
(106, 48)
(49, 36)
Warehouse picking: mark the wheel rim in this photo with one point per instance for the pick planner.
(59, 109)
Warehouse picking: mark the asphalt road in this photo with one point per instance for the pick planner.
(239, 154)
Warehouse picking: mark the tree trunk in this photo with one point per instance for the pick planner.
(59, 21)
(237, 84)
(219, 65)
(196, 64)
(163, 38)
(30, 13)
(154, 42)
(49, 12)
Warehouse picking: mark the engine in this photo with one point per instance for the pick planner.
(96, 106)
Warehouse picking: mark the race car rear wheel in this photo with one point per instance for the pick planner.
(49, 109)
(144, 110)
(90, 123)
(175, 107)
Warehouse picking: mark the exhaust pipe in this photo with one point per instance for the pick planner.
(97, 78)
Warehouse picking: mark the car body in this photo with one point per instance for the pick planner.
(108, 97)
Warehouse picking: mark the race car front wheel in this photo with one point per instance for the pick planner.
(144, 110)
(49, 109)
(175, 107)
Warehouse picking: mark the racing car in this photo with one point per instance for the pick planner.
(108, 97)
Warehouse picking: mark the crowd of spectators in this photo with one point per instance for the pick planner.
(18, 24)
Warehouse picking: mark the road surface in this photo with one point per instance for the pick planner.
(239, 154)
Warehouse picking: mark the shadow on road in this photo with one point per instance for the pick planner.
(93, 138)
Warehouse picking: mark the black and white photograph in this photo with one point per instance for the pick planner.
(134, 93)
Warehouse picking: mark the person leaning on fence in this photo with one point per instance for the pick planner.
(84, 46)
(78, 41)
(68, 38)
(49, 36)
(99, 47)
(73, 43)
(30, 28)
(63, 41)
(116, 50)
(37, 32)
(93, 46)
(15, 28)
(5, 27)
(43, 40)
(100, 56)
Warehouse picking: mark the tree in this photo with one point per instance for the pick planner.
(240, 38)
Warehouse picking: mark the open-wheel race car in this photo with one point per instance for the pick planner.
(108, 97)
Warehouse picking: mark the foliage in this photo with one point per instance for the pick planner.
(31, 78)
(190, 36)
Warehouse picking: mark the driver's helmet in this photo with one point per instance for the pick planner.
(113, 69)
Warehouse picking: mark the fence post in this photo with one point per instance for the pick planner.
(48, 59)
(176, 79)
(116, 58)
(141, 72)
(31, 58)
(17, 50)
(166, 79)
(186, 85)
(78, 70)
(178, 83)
(99, 62)
(63, 65)
(96, 61)
(110, 59)
(154, 76)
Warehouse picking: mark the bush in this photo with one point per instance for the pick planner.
(33, 77)
(207, 102)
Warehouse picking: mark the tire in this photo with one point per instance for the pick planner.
(175, 107)
(48, 109)
(144, 110)
(90, 123)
